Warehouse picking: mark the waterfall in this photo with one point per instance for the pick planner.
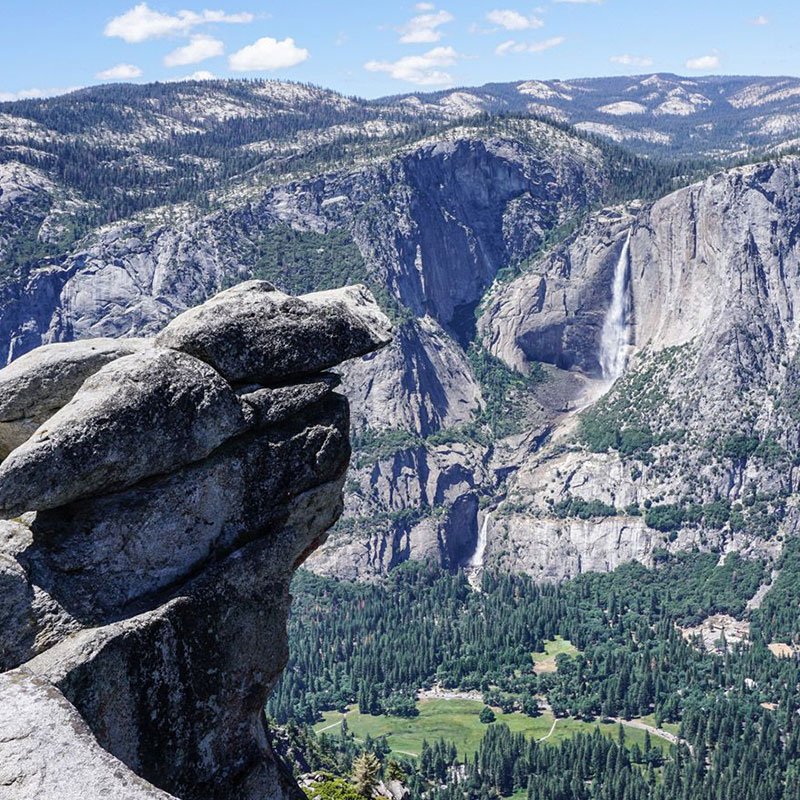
(615, 337)
(476, 559)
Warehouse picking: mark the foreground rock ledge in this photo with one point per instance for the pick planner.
(167, 490)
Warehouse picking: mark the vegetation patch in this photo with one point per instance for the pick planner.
(503, 389)
(758, 515)
(778, 618)
(622, 420)
(583, 509)
(298, 262)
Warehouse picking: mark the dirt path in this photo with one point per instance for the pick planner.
(642, 726)
(328, 727)
(550, 733)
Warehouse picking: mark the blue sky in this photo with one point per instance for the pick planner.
(372, 49)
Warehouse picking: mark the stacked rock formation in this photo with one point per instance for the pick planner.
(157, 496)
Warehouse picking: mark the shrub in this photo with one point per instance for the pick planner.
(664, 517)
(584, 509)
(739, 446)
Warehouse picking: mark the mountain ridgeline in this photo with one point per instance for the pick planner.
(595, 349)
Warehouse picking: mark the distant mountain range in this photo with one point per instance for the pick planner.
(708, 116)
(711, 116)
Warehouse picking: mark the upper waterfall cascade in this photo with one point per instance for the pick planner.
(616, 333)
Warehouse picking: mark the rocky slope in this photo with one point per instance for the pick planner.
(159, 515)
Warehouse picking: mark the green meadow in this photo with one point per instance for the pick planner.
(457, 721)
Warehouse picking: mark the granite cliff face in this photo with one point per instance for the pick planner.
(153, 523)
(695, 446)
(428, 225)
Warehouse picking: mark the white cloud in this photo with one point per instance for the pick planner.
(424, 7)
(703, 62)
(632, 61)
(141, 23)
(200, 75)
(34, 94)
(759, 20)
(531, 47)
(423, 70)
(120, 72)
(512, 20)
(199, 48)
(267, 54)
(423, 29)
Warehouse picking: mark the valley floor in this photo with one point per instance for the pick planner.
(456, 720)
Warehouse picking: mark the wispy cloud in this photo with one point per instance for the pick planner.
(423, 70)
(632, 61)
(527, 47)
(513, 20)
(199, 49)
(120, 72)
(141, 23)
(425, 27)
(703, 63)
(34, 94)
(595, 2)
(267, 54)
(759, 20)
(424, 7)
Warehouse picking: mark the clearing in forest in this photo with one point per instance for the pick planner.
(546, 661)
(457, 721)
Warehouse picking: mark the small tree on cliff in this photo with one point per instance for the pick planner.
(366, 771)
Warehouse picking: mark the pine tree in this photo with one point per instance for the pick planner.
(366, 772)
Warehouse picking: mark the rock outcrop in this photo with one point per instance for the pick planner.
(160, 513)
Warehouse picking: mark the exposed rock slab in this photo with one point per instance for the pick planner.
(36, 385)
(253, 333)
(141, 415)
(154, 534)
(48, 751)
